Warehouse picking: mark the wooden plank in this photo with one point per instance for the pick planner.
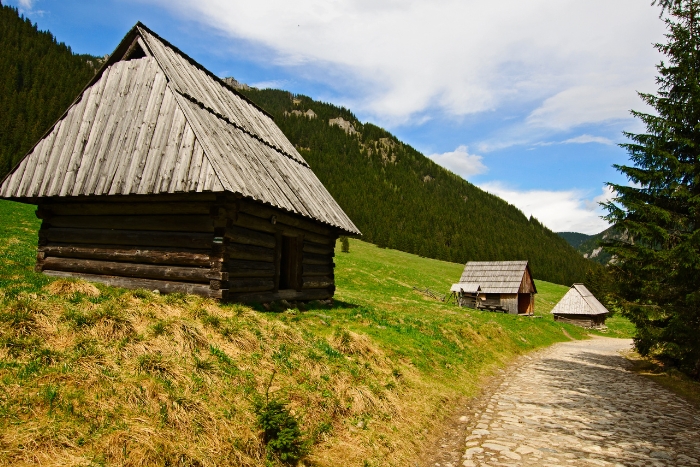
(138, 283)
(249, 237)
(259, 210)
(195, 167)
(141, 92)
(128, 237)
(243, 268)
(146, 271)
(250, 252)
(319, 249)
(317, 269)
(164, 174)
(97, 131)
(94, 95)
(289, 295)
(182, 162)
(155, 152)
(317, 282)
(198, 258)
(167, 223)
(249, 285)
(146, 134)
(312, 258)
(265, 225)
(128, 207)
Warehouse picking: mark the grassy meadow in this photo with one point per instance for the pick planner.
(93, 375)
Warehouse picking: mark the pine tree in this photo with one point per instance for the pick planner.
(657, 265)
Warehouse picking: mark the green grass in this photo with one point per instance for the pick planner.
(124, 377)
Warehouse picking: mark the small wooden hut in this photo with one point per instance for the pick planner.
(580, 307)
(497, 285)
(160, 176)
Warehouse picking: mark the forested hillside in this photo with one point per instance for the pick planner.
(39, 78)
(395, 195)
(401, 199)
(589, 245)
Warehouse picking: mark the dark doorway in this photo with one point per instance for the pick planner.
(289, 263)
(524, 303)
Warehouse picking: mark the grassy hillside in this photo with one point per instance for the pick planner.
(103, 376)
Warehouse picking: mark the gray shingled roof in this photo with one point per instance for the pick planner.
(161, 123)
(494, 276)
(579, 301)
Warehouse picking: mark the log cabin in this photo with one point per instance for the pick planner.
(505, 286)
(580, 307)
(161, 176)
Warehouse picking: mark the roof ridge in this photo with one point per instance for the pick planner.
(238, 127)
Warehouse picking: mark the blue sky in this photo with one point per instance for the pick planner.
(527, 100)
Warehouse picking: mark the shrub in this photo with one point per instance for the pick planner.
(344, 244)
(281, 433)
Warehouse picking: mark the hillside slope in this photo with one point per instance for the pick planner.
(401, 199)
(39, 78)
(94, 375)
(589, 245)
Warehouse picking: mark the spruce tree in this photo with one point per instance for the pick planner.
(657, 263)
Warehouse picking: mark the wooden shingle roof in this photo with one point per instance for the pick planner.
(495, 276)
(154, 121)
(579, 301)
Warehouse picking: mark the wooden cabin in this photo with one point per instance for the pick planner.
(160, 176)
(579, 306)
(498, 286)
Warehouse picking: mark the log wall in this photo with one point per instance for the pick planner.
(217, 246)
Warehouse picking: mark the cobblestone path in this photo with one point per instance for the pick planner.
(575, 404)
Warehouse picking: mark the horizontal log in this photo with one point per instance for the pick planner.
(146, 271)
(312, 258)
(317, 269)
(251, 252)
(131, 255)
(128, 237)
(125, 208)
(292, 295)
(148, 284)
(317, 282)
(250, 237)
(258, 210)
(319, 249)
(168, 223)
(264, 225)
(249, 285)
(242, 268)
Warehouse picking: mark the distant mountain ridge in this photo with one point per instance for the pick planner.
(589, 245)
(396, 196)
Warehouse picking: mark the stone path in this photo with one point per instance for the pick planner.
(575, 404)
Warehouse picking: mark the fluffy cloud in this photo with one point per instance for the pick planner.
(573, 62)
(561, 211)
(585, 139)
(460, 162)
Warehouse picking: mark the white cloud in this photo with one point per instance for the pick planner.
(575, 62)
(585, 139)
(561, 211)
(460, 162)
(27, 4)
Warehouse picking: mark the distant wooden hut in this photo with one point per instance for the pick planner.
(580, 307)
(498, 285)
(160, 176)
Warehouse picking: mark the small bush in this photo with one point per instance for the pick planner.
(281, 433)
(344, 244)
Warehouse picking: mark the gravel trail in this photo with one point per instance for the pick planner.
(576, 404)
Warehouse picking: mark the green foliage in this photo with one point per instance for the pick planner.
(281, 433)
(401, 199)
(657, 266)
(344, 244)
(39, 80)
